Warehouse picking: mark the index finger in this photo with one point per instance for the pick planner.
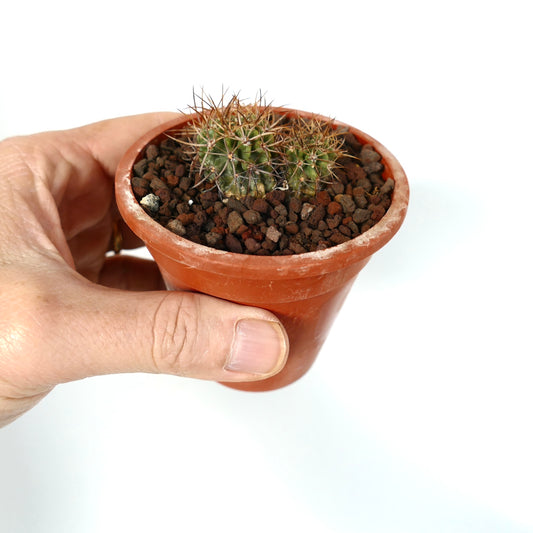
(107, 140)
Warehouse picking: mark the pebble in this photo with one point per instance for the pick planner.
(296, 247)
(345, 230)
(338, 238)
(361, 215)
(185, 183)
(251, 245)
(152, 151)
(163, 194)
(317, 215)
(140, 167)
(337, 187)
(351, 140)
(186, 218)
(334, 208)
(295, 205)
(323, 198)
(273, 234)
(387, 187)
(333, 222)
(150, 202)
(347, 203)
(377, 212)
(359, 197)
(281, 210)
(233, 244)
(182, 208)
(175, 226)
(252, 217)
(364, 183)
(140, 182)
(369, 155)
(172, 180)
(354, 228)
(180, 170)
(261, 206)
(235, 221)
(281, 220)
(307, 209)
(275, 197)
(157, 183)
(269, 245)
(283, 242)
(235, 205)
(373, 168)
(292, 228)
(140, 186)
(376, 180)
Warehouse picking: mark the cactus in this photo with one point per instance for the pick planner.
(235, 147)
(249, 150)
(310, 153)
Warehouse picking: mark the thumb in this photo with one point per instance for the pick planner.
(87, 329)
(186, 334)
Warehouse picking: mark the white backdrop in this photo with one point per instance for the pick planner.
(417, 415)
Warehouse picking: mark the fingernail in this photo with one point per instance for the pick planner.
(259, 347)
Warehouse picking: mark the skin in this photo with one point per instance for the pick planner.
(68, 310)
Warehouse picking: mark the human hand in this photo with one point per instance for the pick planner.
(68, 311)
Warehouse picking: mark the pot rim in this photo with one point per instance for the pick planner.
(233, 264)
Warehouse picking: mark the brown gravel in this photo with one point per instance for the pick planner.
(275, 225)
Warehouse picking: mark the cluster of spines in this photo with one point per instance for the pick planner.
(250, 150)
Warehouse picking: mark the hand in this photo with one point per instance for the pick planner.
(69, 312)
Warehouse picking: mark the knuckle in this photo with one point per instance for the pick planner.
(175, 331)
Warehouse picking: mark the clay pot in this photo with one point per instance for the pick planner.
(305, 291)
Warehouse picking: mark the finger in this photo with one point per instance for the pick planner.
(131, 273)
(87, 330)
(109, 139)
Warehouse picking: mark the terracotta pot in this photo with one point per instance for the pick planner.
(305, 291)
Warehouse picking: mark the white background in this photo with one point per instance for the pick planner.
(417, 416)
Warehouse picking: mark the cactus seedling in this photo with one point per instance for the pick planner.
(310, 153)
(236, 146)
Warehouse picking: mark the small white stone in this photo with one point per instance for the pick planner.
(150, 202)
(273, 234)
(307, 209)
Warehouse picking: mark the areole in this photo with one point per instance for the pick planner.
(304, 290)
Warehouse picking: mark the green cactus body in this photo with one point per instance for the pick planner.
(236, 149)
(310, 157)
